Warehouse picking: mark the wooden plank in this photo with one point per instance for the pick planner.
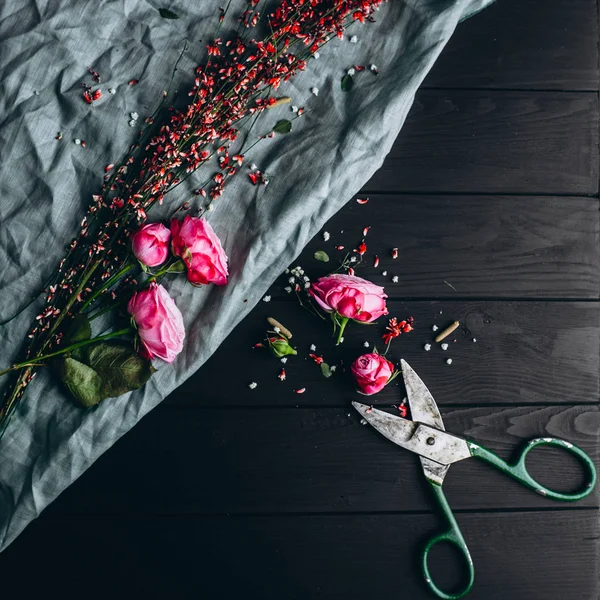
(500, 247)
(320, 460)
(505, 142)
(521, 556)
(514, 44)
(526, 352)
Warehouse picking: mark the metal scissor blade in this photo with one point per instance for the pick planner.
(423, 409)
(394, 428)
(437, 449)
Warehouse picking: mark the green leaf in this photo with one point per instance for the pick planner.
(326, 370)
(347, 83)
(165, 13)
(85, 385)
(119, 366)
(284, 126)
(176, 267)
(321, 255)
(79, 330)
(104, 370)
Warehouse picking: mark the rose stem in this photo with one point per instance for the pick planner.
(342, 323)
(38, 359)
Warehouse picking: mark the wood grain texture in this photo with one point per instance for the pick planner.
(521, 556)
(321, 460)
(512, 142)
(526, 352)
(521, 44)
(465, 246)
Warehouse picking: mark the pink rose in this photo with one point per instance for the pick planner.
(372, 372)
(350, 297)
(159, 322)
(197, 244)
(150, 244)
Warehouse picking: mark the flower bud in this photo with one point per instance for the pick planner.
(280, 346)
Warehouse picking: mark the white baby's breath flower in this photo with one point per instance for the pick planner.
(354, 39)
(267, 299)
(253, 385)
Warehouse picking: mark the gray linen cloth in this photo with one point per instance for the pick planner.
(46, 185)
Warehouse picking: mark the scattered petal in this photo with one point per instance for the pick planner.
(362, 200)
(112, 91)
(267, 299)
(283, 359)
(448, 361)
(300, 391)
(314, 91)
(444, 346)
(427, 347)
(366, 344)
(435, 328)
(253, 385)
(354, 39)
(313, 348)
(395, 279)
(326, 236)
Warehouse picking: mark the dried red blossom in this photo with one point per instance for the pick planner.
(134, 82)
(362, 248)
(362, 200)
(376, 261)
(396, 328)
(317, 359)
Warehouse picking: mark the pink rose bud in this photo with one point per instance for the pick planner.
(372, 372)
(200, 249)
(159, 323)
(150, 244)
(350, 297)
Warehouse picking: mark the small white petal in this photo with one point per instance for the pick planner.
(314, 91)
(373, 67)
(353, 259)
(307, 285)
(253, 385)
(312, 347)
(444, 346)
(294, 109)
(284, 360)
(354, 39)
(341, 340)
(427, 347)
(134, 116)
(351, 71)
(77, 141)
(112, 91)
(253, 167)
(267, 299)
(366, 344)
(474, 339)
(326, 236)
(288, 289)
(276, 329)
(435, 328)
(448, 361)
(395, 278)
(384, 273)
(332, 368)
(316, 55)
(132, 123)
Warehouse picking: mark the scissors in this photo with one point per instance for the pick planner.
(425, 435)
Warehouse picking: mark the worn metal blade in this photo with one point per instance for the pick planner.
(423, 409)
(393, 427)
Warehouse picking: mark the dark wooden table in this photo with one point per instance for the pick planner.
(491, 196)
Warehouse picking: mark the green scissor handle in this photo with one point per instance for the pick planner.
(453, 536)
(519, 471)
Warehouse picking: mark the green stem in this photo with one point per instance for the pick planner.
(38, 359)
(106, 285)
(342, 325)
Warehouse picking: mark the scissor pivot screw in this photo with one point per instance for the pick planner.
(430, 441)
